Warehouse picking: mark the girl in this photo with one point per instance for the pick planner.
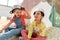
(37, 30)
(18, 19)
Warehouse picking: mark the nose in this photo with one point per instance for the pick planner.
(35, 16)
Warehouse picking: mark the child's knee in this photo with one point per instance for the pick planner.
(23, 31)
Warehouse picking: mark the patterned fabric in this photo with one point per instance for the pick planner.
(41, 27)
(54, 17)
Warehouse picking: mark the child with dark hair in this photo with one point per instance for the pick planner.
(18, 19)
(37, 30)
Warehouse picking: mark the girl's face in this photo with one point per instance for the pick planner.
(38, 15)
(17, 13)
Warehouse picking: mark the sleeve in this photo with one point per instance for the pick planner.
(43, 26)
(24, 15)
(43, 33)
(11, 19)
(30, 30)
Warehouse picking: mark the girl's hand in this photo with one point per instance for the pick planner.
(40, 30)
(1, 30)
(28, 39)
(14, 25)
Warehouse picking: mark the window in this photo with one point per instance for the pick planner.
(10, 2)
(3, 2)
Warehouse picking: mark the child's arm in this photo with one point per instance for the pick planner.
(7, 25)
(43, 30)
(30, 30)
(27, 15)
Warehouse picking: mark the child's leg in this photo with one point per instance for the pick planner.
(24, 34)
(8, 29)
(10, 33)
(39, 38)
